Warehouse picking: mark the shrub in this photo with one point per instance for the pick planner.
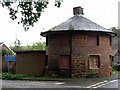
(10, 76)
(71, 27)
(90, 74)
(6, 52)
(51, 74)
(114, 66)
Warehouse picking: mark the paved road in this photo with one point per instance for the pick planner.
(32, 84)
(53, 84)
(48, 84)
(114, 84)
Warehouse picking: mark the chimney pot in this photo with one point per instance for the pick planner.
(78, 11)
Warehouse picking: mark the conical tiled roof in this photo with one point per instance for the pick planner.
(78, 23)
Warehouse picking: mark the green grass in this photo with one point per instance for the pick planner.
(10, 76)
(114, 71)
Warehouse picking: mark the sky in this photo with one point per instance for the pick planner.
(102, 12)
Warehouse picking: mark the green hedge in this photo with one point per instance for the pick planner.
(10, 76)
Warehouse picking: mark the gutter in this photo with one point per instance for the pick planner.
(60, 31)
(70, 75)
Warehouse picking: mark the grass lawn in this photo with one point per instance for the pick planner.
(10, 76)
(115, 72)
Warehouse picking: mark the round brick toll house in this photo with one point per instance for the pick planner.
(79, 47)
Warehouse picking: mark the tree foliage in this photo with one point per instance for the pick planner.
(30, 11)
(17, 42)
(6, 52)
(35, 46)
(39, 46)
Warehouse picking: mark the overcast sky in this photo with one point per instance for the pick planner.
(103, 12)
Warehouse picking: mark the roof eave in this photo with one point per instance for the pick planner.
(32, 51)
(44, 34)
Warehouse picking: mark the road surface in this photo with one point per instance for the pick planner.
(114, 84)
(53, 84)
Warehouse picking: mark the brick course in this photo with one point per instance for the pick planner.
(54, 49)
(80, 53)
(81, 49)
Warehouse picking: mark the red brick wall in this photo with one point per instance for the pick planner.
(55, 49)
(80, 52)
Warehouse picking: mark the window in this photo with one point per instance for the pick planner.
(110, 60)
(93, 40)
(94, 62)
(64, 61)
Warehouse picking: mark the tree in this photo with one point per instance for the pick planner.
(35, 46)
(6, 52)
(29, 10)
(39, 46)
(17, 44)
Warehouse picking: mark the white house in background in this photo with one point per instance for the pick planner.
(116, 50)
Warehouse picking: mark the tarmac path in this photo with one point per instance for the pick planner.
(58, 84)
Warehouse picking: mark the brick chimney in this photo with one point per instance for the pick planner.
(78, 11)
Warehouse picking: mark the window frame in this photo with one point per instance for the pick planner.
(98, 61)
(68, 62)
